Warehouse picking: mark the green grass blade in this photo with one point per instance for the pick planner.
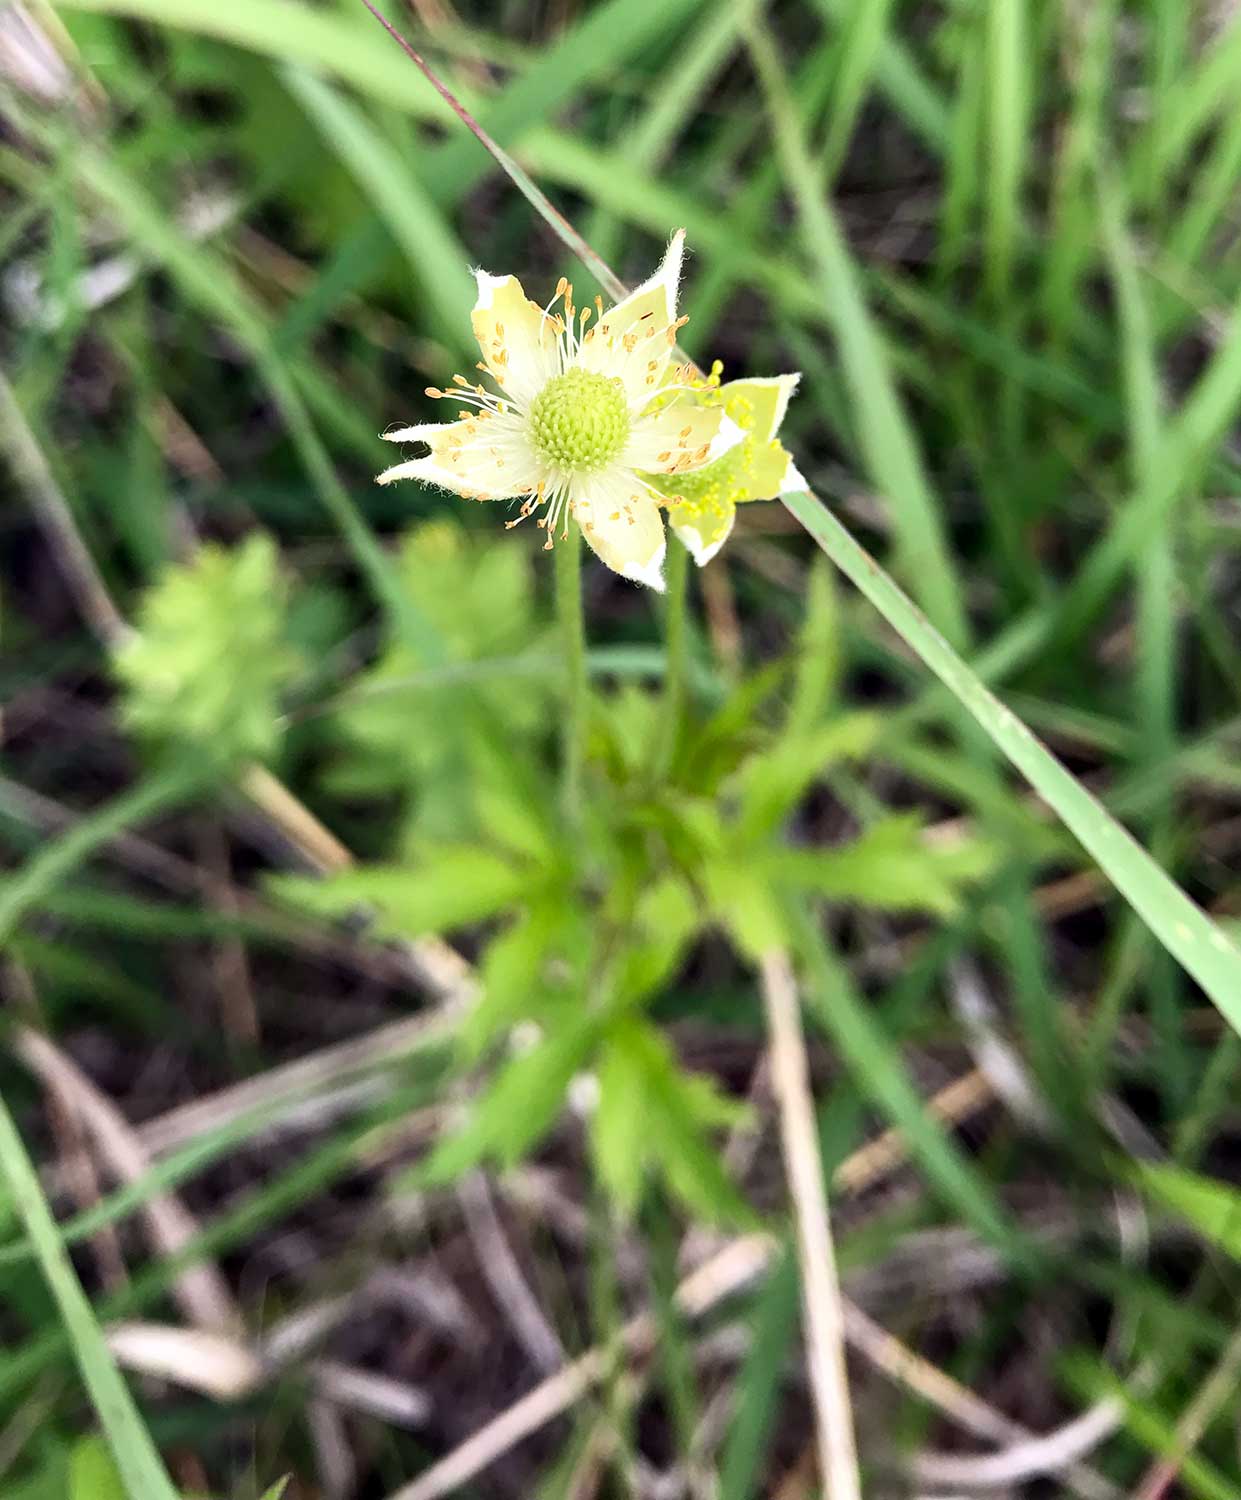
(884, 432)
(900, 78)
(774, 1327)
(136, 1456)
(209, 284)
(295, 33)
(878, 1071)
(434, 253)
(861, 45)
(1006, 86)
(1184, 929)
(42, 872)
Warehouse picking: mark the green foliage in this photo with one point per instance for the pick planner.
(208, 662)
(1023, 418)
(1211, 1206)
(414, 725)
(92, 1474)
(652, 1115)
(584, 929)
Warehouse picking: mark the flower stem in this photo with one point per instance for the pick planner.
(568, 555)
(675, 646)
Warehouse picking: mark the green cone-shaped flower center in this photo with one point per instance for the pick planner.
(580, 420)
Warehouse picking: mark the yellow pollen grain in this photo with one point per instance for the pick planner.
(665, 456)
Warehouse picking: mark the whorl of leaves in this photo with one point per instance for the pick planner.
(209, 660)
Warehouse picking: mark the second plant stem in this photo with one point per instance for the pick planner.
(675, 646)
(568, 555)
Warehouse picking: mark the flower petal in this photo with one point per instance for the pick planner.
(621, 522)
(481, 458)
(517, 340)
(703, 532)
(680, 438)
(635, 338)
(759, 404)
(423, 432)
(655, 299)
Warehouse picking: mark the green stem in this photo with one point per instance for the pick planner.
(675, 645)
(568, 555)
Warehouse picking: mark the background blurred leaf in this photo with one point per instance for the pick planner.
(208, 662)
(891, 865)
(92, 1474)
(1212, 1207)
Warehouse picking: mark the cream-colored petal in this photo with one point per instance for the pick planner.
(635, 338)
(679, 439)
(705, 532)
(621, 521)
(481, 458)
(517, 340)
(656, 297)
(423, 432)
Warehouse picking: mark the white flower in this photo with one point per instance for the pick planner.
(580, 416)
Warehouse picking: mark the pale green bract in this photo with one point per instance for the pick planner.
(703, 505)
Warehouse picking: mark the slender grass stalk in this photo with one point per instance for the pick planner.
(676, 605)
(137, 1459)
(34, 475)
(1183, 928)
(516, 174)
(820, 1286)
(568, 556)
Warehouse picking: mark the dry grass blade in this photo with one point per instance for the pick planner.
(829, 1378)
(1026, 1455)
(1197, 1417)
(200, 1290)
(525, 184)
(727, 1272)
(36, 478)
